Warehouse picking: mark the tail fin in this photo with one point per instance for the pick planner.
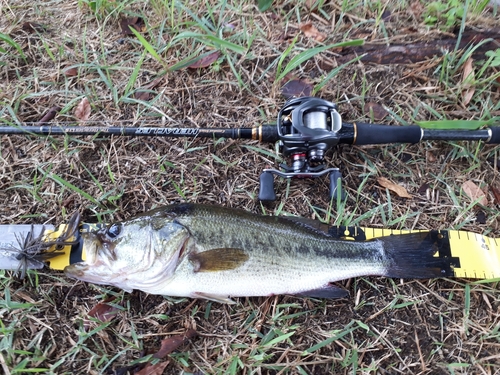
(413, 256)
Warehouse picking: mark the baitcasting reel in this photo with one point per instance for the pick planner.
(307, 128)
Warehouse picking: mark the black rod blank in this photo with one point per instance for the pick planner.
(355, 133)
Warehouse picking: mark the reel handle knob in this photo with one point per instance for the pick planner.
(266, 189)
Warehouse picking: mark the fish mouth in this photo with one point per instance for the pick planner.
(90, 248)
(89, 254)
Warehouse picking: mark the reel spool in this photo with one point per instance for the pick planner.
(307, 128)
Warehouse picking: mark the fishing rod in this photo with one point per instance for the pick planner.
(306, 128)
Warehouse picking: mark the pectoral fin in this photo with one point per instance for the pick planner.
(218, 259)
(328, 291)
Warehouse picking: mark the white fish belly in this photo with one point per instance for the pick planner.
(264, 278)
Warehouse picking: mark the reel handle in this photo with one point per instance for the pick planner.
(336, 183)
(266, 189)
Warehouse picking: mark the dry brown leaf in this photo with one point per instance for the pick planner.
(155, 82)
(82, 110)
(157, 369)
(296, 88)
(474, 192)
(51, 113)
(205, 61)
(103, 312)
(431, 158)
(33, 27)
(142, 94)
(327, 64)
(496, 193)
(310, 4)
(423, 188)
(467, 95)
(311, 31)
(386, 15)
(468, 69)
(376, 110)
(398, 189)
(71, 72)
(136, 23)
(468, 79)
(417, 8)
(172, 343)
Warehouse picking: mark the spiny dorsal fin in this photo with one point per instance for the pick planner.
(218, 259)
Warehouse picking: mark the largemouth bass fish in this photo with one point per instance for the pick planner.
(211, 252)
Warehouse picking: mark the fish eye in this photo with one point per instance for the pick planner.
(114, 230)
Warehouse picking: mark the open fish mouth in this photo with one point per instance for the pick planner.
(90, 249)
(90, 256)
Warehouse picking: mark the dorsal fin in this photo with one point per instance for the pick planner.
(311, 224)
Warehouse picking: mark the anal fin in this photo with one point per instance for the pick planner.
(328, 291)
(214, 297)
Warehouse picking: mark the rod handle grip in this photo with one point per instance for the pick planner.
(372, 134)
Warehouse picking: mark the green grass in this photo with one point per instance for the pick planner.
(306, 55)
(18, 360)
(447, 14)
(46, 179)
(7, 40)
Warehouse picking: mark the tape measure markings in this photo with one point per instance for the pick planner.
(478, 254)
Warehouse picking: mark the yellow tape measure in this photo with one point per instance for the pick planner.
(469, 255)
(479, 255)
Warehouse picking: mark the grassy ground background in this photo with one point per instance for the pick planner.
(62, 52)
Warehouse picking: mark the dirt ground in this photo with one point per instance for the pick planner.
(78, 49)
